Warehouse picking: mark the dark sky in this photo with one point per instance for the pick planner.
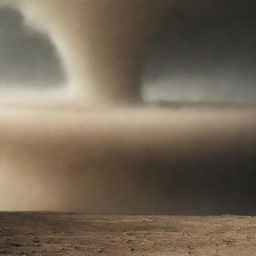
(206, 55)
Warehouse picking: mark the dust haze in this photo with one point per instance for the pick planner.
(140, 161)
(96, 146)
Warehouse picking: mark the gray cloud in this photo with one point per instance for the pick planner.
(27, 58)
(203, 60)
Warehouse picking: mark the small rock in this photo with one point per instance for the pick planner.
(15, 245)
(130, 233)
(101, 250)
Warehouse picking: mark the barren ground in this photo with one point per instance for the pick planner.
(82, 234)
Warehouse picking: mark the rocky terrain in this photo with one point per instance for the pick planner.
(52, 234)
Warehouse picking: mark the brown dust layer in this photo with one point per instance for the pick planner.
(185, 161)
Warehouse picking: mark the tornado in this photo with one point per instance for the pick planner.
(102, 44)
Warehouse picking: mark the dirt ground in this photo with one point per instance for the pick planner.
(82, 234)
